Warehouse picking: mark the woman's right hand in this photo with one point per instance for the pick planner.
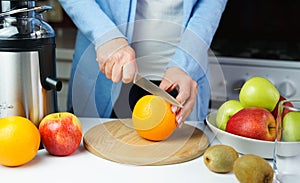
(117, 60)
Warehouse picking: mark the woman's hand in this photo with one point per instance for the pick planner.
(187, 91)
(117, 60)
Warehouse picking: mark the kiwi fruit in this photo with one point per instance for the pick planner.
(220, 158)
(251, 168)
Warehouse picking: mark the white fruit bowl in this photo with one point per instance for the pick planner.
(241, 144)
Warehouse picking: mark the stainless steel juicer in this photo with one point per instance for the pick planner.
(28, 83)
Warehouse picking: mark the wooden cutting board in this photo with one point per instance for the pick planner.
(118, 141)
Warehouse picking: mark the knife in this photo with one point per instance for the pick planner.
(154, 89)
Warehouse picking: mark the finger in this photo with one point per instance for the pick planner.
(167, 85)
(179, 118)
(109, 64)
(174, 108)
(183, 114)
(183, 95)
(101, 65)
(178, 112)
(129, 70)
(116, 73)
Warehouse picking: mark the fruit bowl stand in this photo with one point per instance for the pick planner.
(83, 166)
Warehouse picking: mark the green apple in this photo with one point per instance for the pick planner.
(259, 92)
(226, 110)
(291, 127)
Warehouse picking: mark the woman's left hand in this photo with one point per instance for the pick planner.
(187, 91)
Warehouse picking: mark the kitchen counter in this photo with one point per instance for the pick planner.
(83, 166)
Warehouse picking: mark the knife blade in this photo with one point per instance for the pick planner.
(154, 89)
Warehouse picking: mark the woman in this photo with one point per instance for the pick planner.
(165, 41)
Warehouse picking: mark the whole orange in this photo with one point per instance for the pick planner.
(19, 141)
(153, 118)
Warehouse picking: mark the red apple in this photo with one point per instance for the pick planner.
(61, 133)
(253, 122)
(275, 111)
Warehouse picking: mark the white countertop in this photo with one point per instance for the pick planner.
(82, 166)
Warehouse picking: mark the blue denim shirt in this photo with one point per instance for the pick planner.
(99, 21)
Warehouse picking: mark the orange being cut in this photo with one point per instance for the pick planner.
(153, 118)
(19, 141)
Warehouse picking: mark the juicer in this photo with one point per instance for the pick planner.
(28, 84)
